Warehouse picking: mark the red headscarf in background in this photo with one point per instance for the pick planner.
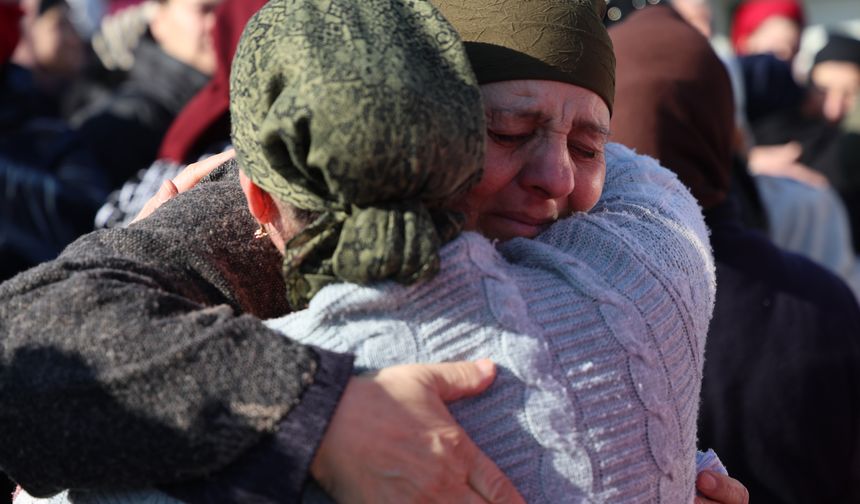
(10, 29)
(752, 13)
(205, 119)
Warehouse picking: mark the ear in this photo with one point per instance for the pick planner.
(260, 203)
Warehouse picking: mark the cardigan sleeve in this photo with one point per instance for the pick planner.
(138, 357)
(646, 213)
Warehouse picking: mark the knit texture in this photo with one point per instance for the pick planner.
(598, 327)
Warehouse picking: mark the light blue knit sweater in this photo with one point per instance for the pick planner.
(598, 327)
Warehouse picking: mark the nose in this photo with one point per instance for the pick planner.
(835, 106)
(549, 170)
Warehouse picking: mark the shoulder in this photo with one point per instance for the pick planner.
(618, 154)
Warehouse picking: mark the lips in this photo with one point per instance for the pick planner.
(523, 225)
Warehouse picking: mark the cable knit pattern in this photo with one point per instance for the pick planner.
(598, 327)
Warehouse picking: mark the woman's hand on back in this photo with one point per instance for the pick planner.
(392, 440)
(187, 178)
(716, 488)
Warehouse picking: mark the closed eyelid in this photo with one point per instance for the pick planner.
(509, 114)
(591, 128)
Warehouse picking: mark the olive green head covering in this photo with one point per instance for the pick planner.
(559, 40)
(365, 112)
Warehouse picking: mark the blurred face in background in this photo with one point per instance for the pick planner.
(838, 85)
(777, 35)
(54, 47)
(183, 29)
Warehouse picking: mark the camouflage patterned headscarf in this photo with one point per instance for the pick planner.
(368, 113)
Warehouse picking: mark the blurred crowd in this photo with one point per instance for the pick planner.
(89, 90)
(101, 101)
(797, 127)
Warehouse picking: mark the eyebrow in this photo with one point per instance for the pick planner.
(536, 115)
(591, 126)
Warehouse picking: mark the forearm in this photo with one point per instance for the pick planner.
(276, 468)
(647, 230)
(131, 361)
(115, 403)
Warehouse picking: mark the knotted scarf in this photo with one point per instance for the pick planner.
(368, 114)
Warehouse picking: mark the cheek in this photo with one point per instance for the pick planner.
(499, 172)
(588, 188)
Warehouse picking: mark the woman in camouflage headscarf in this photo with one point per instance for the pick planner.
(367, 117)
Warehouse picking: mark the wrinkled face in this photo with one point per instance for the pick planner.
(183, 29)
(838, 83)
(544, 157)
(778, 35)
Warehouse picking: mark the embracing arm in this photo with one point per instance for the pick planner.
(136, 359)
(133, 360)
(646, 217)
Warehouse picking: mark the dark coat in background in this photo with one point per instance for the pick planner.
(54, 176)
(780, 396)
(50, 183)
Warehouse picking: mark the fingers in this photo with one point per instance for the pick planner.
(187, 178)
(490, 482)
(704, 500)
(716, 487)
(466, 496)
(167, 191)
(191, 174)
(793, 150)
(456, 380)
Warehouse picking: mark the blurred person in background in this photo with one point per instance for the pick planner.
(50, 183)
(768, 26)
(804, 214)
(47, 57)
(812, 132)
(835, 75)
(201, 128)
(775, 193)
(50, 48)
(173, 60)
(55, 175)
(782, 362)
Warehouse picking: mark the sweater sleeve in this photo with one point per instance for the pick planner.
(138, 358)
(646, 213)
